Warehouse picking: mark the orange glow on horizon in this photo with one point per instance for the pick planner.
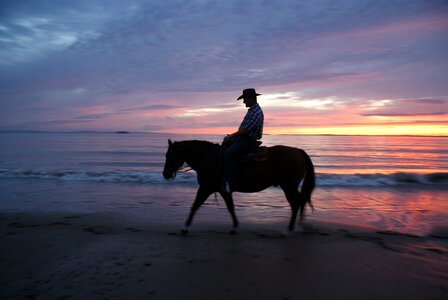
(411, 129)
(427, 130)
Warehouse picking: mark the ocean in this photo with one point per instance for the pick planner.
(397, 183)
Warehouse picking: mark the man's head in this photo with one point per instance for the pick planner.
(249, 97)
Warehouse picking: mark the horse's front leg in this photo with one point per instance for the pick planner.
(201, 196)
(230, 206)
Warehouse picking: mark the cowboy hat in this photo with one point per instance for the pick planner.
(247, 93)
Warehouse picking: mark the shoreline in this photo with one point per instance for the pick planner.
(405, 210)
(87, 255)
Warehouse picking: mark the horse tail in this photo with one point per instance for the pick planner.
(309, 182)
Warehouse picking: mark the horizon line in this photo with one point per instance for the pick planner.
(174, 133)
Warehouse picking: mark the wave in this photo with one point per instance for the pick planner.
(323, 180)
(93, 175)
(378, 179)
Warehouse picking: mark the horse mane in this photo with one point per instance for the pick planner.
(199, 144)
(196, 150)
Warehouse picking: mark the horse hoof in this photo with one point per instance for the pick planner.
(232, 232)
(184, 232)
(287, 234)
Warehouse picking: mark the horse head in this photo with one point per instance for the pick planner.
(173, 161)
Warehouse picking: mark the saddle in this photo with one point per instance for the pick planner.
(256, 154)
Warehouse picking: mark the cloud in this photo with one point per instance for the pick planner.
(405, 114)
(128, 57)
(407, 108)
(51, 124)
(151, 107)
(426, 101)
(30, 31)
(94, 116)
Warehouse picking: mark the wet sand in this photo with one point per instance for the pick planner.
(108, 256)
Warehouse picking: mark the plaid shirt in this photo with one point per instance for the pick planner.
(253, 121)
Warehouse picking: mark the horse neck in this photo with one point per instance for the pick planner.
(193, 153)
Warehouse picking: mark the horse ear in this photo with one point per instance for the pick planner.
(170, 142)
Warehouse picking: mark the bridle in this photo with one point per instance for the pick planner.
(184, 169)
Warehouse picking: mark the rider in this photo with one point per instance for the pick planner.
(249, 132)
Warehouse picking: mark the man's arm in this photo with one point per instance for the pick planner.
(240, 132)
(233, 136)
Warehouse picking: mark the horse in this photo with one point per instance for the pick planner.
(285, 167)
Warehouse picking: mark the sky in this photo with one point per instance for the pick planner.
(322, 67)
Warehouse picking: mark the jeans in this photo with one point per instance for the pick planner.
(232, 154)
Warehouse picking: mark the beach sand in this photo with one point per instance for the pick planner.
(110, 256)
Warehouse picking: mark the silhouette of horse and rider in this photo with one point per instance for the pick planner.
(233, 166)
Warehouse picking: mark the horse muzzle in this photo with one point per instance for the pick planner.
(168, 175)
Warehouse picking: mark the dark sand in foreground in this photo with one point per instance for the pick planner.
(104, 256)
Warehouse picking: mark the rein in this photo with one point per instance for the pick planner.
(185, 169)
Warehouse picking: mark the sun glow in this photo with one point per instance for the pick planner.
(427, 130)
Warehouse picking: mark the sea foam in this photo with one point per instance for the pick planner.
(323, 180)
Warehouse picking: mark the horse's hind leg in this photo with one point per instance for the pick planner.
(201, 196)
(229, 202)
(302, 204)
(292, 194)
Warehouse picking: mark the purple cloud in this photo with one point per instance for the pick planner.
(411, 107)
